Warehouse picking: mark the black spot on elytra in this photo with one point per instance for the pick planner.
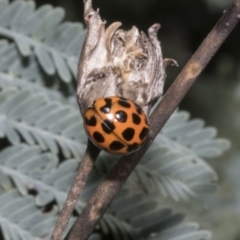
(136, 119)
(132, 147)
(107, 126)
(98, 137)
(128, 134)
(143, 133)
(124, 103)
(91, 122)
(107, 107)
(121, 116)
(139, 110)
(116, 145)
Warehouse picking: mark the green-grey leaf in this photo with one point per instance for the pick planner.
(44, 59)
(42, 33)
(7, 16)
(33, 116)
(40, 171)
(187, 231)
(61, 67)
(23, 46)
(21, 219)
(3, 6)
(25, 9)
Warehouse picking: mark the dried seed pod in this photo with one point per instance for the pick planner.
(114, 62)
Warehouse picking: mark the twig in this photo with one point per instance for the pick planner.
(84, 170)
(107, 190)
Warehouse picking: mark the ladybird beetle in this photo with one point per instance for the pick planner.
(116, 125)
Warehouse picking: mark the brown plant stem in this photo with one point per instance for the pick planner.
(107, 190)
(84, 170)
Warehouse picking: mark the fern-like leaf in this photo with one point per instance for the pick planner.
(187, 231)
(55, 45)
(15, 70)
(32, 170)
(191, 137)
(21, 219)
(132, 215)
(51, 124)
(175, 174)
(175, 163)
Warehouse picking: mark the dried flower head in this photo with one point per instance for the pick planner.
(114, 62)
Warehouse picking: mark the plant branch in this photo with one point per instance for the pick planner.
(107, 190)
(84, 170)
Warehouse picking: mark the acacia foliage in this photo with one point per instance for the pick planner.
(43, 141)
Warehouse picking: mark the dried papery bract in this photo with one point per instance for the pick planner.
(114, 62)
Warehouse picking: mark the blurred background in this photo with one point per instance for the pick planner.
(215, 97)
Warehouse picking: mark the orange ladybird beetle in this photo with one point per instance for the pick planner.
(116, 125)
